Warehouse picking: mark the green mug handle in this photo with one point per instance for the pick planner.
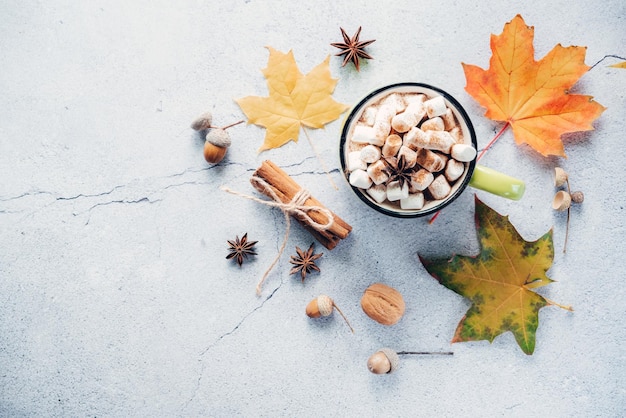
(497, 183)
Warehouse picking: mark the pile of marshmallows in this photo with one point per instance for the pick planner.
(420, 129)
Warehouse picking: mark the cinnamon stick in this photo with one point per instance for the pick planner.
(286, 188)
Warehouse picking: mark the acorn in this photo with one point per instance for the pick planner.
(387, 360)
(578, 197)
(202, 122)
(216, 145)
(383, 361)
(563, 200)
(323, 306)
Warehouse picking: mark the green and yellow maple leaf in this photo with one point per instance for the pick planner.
(294, 100)
(498, 281)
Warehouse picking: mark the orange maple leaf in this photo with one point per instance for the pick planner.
(532, 96)
(294, 100)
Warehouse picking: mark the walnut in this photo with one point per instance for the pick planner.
(383, 304)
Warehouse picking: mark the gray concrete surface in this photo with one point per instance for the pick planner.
(115, 296)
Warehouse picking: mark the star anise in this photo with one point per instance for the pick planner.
(240, 249)
(352, 48)
(398, 170)
(304, 262)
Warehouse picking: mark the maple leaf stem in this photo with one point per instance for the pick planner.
(306, 133)
(566, 307)
(495, 138)
(431, 220)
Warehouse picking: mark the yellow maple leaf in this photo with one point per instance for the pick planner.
(294, 100)
(619, 65)
(532, 96)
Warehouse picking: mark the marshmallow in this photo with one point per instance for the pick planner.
(395, 191)
(415, 139)
(377, 172)
(381, 132)
(430, 160)
(370, 154)
(369, 115)
(454, 170)
(435, 106)
(396, 101)
(434, 124)
(414, 97)
(363, 134)
(421, 130)
(463, 152)
(439, 188)
(403, 122)
(410, 156)
(385, 113)
(414, 201)
(378, 192)
(359, 178)
(406, 120)
(449, 121)
(439, 141)
(421, 179)
(355, 162)
(392, 161)
(392, 145)
(457, 134)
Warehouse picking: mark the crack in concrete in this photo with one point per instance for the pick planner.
(195, 182)
(81, 195)
(218, 340)
(27, 194)
(112, 202)
(315, 173)
(605, 57)
(167, 186)
(240, 323)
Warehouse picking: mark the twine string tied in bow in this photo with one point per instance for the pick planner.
(295, 207)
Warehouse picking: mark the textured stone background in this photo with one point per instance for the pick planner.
(116, 299)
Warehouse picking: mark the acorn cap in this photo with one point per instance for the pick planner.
(218, 137)
(392, 356)
(202, 122)
(562, 200)
(325, 305)
(560, 176)
(320, 306)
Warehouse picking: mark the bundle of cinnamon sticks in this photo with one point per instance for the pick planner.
(285, 188)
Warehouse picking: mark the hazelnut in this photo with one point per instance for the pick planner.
(383, 304)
